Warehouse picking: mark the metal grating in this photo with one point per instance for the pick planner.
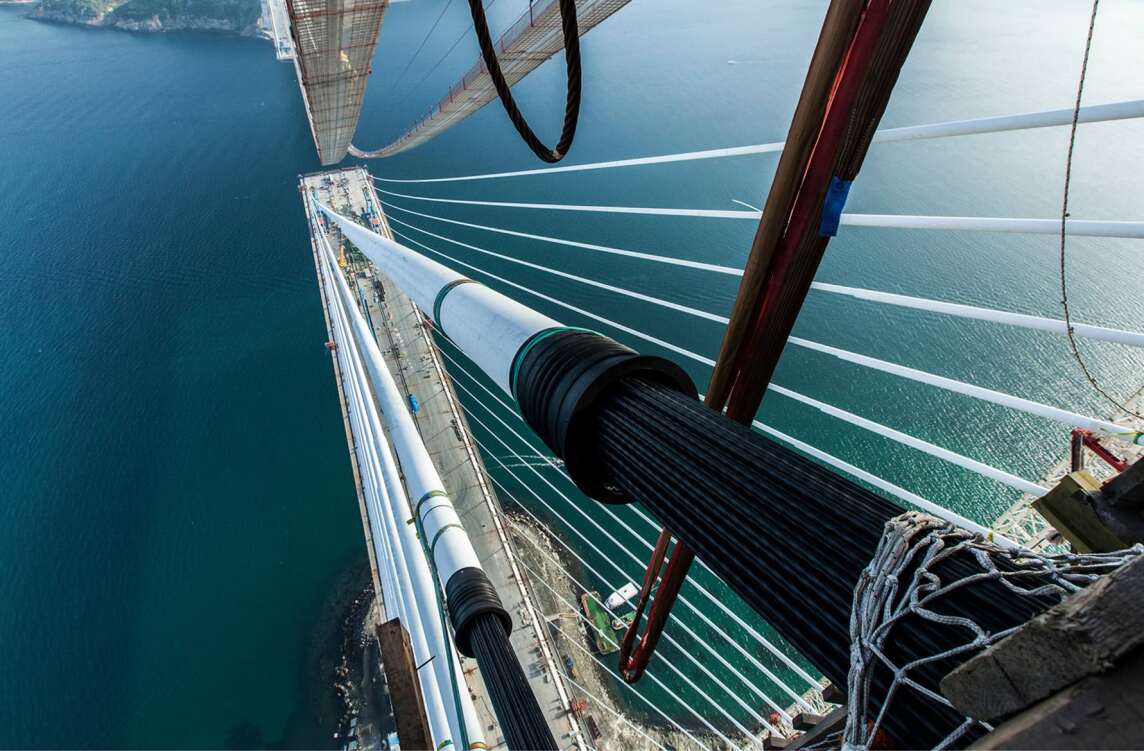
(533, 39)
(334, 42)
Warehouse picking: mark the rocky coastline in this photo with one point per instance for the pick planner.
(125, 17)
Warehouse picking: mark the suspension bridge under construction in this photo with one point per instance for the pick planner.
(518, 457)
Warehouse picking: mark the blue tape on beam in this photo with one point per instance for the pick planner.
(832, 206)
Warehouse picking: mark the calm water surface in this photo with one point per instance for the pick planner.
(177, 504)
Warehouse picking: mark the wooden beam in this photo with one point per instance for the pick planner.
(1069, 508)
(829, 724)
(404, 686)
(1084, 635)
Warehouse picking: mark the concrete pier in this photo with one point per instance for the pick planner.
(406, 343)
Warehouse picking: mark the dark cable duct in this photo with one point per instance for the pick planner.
(525, 726)
(482, 627)
(789, 536)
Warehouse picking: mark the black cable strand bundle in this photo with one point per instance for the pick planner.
(572, 63)
(786, 534)
(525, 729)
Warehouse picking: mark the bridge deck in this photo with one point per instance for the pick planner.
(407, 346)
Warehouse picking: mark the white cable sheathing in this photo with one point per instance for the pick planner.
(453, 547)
(1020, 225)
(417, 605)
(729, 270)
(491, 326)
(481, 321)
(905, 439)
(418, 277)
(1056, 325)
(996, 124)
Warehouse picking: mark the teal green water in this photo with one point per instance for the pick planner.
(177, 504)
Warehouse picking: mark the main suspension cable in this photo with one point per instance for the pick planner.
(572, 97)
(710, 597)
(770, 675)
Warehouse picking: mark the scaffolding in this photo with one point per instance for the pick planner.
(534, 38)
(334, 42)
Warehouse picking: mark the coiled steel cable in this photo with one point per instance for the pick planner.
(572, 99)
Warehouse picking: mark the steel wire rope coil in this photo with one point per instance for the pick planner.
(571, 33)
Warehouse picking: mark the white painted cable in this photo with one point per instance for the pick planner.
(1073, 227)
(980, 468)
(439, 521)
(582, 280)
(960, 387)
(441, 710)
(586, 208)
(1119, 336)
(1055, 325)
(484, 322)
(1020, 225)
(729, 270)
(586, 313)
(1048, 118)
(949, 384)
(422, 607)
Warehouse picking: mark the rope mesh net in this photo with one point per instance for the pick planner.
(907, 581)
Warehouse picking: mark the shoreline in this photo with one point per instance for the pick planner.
(152, 25)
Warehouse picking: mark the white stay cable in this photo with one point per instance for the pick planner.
(1119, 336)
(1074, 227)
(728, 270)
(1022, 320)
(958, 459)
(949, 384)
(584, 587)
(910, 497)
(1049, 118)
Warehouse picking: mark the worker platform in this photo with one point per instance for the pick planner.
(403, 334)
